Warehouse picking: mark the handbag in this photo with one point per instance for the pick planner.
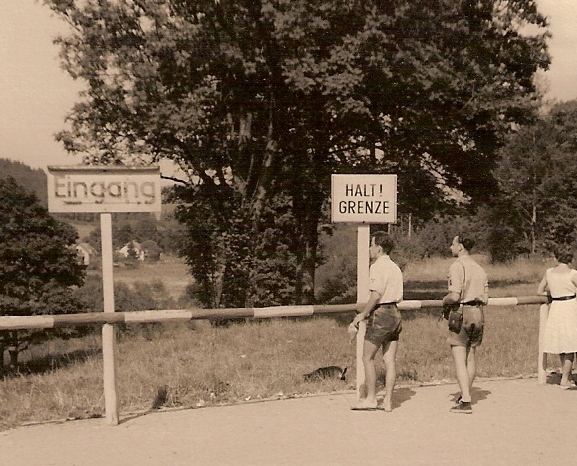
(455, 321)
(448, 308)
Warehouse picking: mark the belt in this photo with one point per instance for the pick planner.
(563, 298)
(475, 302)
(392, 303)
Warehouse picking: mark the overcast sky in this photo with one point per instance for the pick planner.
(35, 94)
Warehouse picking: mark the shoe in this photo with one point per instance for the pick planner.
(462, 407)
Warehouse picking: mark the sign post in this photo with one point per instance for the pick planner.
(363, 199)
(105, 190)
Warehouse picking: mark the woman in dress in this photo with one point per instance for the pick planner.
(560, 282)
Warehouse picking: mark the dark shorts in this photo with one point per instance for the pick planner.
(471, 333)
(384, 325)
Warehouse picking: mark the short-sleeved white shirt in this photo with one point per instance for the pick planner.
(386, 278)
(468, 279)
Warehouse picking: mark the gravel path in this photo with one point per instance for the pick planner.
(514, 422)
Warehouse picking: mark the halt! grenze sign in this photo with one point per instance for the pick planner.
(103, 189)
(364, 198)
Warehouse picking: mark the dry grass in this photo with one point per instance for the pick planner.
(171, 271)
(253, 360)
(521, 271)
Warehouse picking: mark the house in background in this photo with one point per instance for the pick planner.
(86, 253)
(132, 249)
(147, 250)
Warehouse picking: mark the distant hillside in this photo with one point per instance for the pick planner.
(33, 179)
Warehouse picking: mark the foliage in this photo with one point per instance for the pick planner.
(151, 250)
(38, 264)
(218, 244)
(537, 179)
(24, 175)
(435, 236)
(270, 97)
(138, 297)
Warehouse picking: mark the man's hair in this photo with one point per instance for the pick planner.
(467, 241)
(384, 240)
(563, 255)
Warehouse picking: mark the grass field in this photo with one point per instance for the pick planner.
(171, 271)
(202, 365)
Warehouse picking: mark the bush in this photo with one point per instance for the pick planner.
(138, 297)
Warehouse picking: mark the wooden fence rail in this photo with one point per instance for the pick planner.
(133, 317)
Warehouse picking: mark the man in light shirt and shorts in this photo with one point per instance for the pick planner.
(468, 293)
(383, 320)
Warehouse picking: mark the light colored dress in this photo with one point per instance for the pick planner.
(561, 329)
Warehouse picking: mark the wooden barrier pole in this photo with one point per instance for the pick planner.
(542, 361)
(108, 330)
(182, 315)
(363, 259)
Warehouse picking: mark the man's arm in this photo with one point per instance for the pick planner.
(455, 285)
(451, 298)
(371, 304)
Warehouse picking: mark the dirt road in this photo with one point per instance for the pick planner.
(515, 422)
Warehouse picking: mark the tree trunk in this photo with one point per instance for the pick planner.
(2, 366)
(307, 209)
(533, 219)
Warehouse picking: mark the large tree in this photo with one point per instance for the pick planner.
(264, 99)
(537, 175)
(38, 265)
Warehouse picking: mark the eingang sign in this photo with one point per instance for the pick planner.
(364, 198)
(103, 189)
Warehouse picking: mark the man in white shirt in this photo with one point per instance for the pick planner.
(383, 318)
(468, 292)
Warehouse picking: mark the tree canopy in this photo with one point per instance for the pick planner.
(262, 100)
(38, 263)
(538, 179)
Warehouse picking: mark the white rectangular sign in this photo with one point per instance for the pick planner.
(103, 189)
(364, 198)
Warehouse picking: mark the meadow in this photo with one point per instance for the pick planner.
(202, 365)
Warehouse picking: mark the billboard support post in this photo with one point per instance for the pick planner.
(104, 190)
(108, 330)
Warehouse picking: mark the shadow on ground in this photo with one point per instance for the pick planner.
(554, 378)
(477, 394)
(402, 395)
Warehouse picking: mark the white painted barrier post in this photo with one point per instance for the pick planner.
(542, 360)
(108, 330)
(363, 238)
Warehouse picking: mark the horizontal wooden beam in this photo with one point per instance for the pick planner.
(167, 315)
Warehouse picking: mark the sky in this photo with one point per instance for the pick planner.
(36, 94)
